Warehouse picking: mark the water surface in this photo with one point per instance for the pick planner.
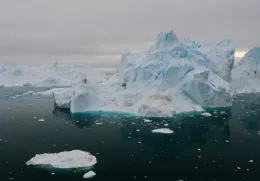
(225, 146)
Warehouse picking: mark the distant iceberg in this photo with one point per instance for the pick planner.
(57, 75)
(170, 77)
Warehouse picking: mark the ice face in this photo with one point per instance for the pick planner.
(62, 97)
(64, 160)
(207, 89)
(84, 98)
(220, 56)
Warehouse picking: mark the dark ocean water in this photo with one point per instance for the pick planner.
(225, 146)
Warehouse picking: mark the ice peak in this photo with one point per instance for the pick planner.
(166, 39)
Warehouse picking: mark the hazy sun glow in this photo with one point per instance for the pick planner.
(239, 54)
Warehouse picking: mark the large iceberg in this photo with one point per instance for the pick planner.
(246, 75)
(170, 77)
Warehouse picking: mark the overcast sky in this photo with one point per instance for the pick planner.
(76, 28)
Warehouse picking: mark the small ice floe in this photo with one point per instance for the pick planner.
(89, 174)
(41, 120)
(163, 130)
(251, 161)
(147, 120)
(99, 123)
(206, 114)
(166, 124)
(64, 160)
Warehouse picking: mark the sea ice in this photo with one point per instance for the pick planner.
(64, 160)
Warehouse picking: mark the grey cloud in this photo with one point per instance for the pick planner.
(85, 26)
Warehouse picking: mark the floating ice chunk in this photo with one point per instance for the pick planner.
(163, 130)
(89, 174)
(206, 114)
(147, 120)
(41, 120)
(64, 160)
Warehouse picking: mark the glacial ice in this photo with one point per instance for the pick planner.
(170, 77)
(64, 160)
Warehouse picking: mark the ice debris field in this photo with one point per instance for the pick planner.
(170, 77)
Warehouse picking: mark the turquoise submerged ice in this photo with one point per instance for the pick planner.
(170, 77)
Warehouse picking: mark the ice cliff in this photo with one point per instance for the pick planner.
(170, 77)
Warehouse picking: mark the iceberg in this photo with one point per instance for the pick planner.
(170, 77)
(245, 76)
(89, 174)
(64, 160)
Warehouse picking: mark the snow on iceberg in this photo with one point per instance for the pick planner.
(245, 77)
(64, 160)
(169, 77)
